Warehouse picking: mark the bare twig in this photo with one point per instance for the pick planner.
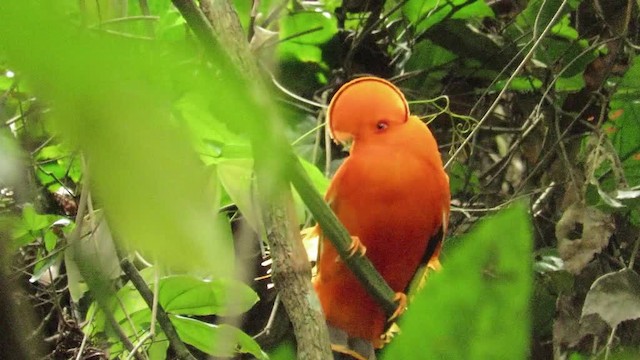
(86, 337)
(507, 84)
(634, 252)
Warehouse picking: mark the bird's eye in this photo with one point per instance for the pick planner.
(382, 125)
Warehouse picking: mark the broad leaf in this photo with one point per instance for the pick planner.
(188, 295)
(308, 27)
(582, 232)
(615, 297)
(423, 14)
(216, 340)
(478, 306)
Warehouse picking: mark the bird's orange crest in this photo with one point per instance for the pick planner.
(365, 105)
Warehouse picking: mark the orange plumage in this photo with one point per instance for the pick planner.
(392, 193)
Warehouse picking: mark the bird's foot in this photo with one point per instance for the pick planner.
(356, 247)
(401, 299)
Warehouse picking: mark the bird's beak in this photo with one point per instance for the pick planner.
(342, 138)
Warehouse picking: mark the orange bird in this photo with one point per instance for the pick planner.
(391, 194)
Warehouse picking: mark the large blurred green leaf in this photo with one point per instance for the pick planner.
(210, 135)
(478, 306)
(236, 176)
(111, 99)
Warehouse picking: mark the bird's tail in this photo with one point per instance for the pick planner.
(346, 348)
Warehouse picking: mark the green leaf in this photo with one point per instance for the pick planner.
(477, 307)
(570, 84)
(466, 41)
(572, 57)
(210, 134)
(285, 350)
(43, 266)
(519, 83)
(32, 221)
(564, 29)
(51, 152)
(158, 349)
(188, 295)
(427, 55)
(31, 226)
(236, 176)
(461, 178)
(308, 27)
(538, 14)
(301, 52)
(423, 14)
(623, 126)
(216, 340)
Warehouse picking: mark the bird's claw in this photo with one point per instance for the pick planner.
(401, 299)
(356, 247)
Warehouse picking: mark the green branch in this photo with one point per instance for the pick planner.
(341, 240)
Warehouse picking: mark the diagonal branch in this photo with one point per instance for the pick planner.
(163, 318)
(341, 240)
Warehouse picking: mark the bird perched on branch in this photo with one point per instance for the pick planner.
(391, 194)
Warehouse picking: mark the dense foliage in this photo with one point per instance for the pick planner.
(117, 125)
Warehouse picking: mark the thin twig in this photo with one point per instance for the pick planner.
(140, 343)
(634, 253)
(609, 343)
(506, 85)
(84, 339)
(154, 308)
(130, 18)
(163, 318)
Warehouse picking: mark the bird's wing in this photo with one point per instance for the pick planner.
(430, 260)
